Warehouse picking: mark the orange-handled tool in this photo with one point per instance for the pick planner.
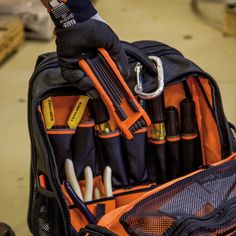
(115, 93)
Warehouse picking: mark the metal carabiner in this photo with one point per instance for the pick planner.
(160, 77)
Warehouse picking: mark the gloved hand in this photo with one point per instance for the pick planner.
(85, 37)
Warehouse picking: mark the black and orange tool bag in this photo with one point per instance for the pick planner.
(154, 155)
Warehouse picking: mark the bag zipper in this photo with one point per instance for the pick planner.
(213, 221)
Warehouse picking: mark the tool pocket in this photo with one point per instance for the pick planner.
(158, 161)
(61, 142)
(190, 154)
(83, 147)
(173, 158)
(113, 157)
(134, 152)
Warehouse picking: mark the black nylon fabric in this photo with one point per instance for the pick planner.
(160, 162)
(175, 65)
(135, 158)
(62, 147)
(191, 158)
(113, 157)
(173, 159)
(83, 150)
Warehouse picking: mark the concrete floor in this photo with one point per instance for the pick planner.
(168, 21)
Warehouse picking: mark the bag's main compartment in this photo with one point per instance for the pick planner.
(132, 161)
(159, 153)
(86, 139)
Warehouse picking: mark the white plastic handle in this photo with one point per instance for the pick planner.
(88, 175)
(71, 177)
(97, 194)
(107, 180)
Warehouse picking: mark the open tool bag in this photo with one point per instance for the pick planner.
(155, 157)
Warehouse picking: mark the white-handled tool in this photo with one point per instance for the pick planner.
(97, 193)
(71, 177)
(88, 175)
(107, 181)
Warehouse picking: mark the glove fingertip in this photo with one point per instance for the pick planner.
(72, 75)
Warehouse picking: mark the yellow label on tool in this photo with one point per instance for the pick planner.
(158, 131)
(48, 113)
(77, 112)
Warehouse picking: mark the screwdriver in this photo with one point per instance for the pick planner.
(191, 157)
(156, 110)
(173, 142)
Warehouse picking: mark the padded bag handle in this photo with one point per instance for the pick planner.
(139, 56)
(151, 83)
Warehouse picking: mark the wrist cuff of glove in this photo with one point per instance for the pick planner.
(83, 9)
(76, 11)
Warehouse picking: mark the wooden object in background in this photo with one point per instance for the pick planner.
(11, 35)
(229, 24)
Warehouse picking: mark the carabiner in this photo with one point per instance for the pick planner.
(160, 77)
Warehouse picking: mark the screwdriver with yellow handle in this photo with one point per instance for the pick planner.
(156, 109)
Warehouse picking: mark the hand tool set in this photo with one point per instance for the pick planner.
(150, 156)
(129, 115)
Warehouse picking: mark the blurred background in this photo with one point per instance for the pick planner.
(203, 30)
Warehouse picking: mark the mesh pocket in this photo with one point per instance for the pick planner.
(45, 216)
(198, 197)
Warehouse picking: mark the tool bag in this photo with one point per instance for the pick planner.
(166, 180)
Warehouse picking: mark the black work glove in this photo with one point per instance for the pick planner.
(84, 37)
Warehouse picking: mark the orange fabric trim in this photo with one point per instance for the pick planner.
(63, 105)
(189, 137)
(207, 89)
(67, 197)
(130, 194)
(140, 187)
(232, 157)
(208, 130)
(110, 205)
(78, 220)
(42, 181)
(157, 142)
(111, 135)
(86, 125)
(128, 198)
(60, 132)
(140, 131)
(173, 139)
